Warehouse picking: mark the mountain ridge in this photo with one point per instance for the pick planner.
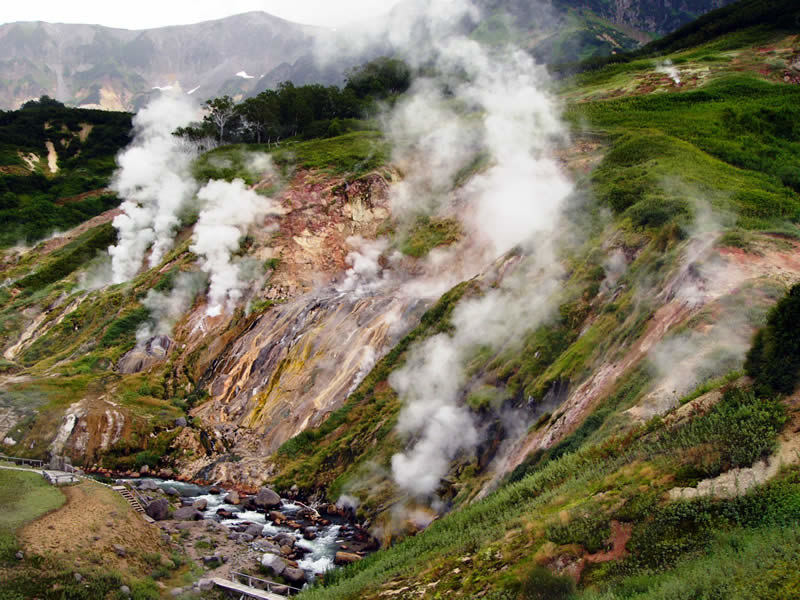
(94, 66)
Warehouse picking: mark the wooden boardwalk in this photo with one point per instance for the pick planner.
(250, 592)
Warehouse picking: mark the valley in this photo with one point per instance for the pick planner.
(517, 333)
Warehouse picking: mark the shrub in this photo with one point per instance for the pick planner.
(739, 430)
(124, 328)
(774, 358)
(541, 584)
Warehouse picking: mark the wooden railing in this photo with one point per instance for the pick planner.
(31, 462)
(264, 582)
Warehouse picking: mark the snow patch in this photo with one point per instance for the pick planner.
(244, 75)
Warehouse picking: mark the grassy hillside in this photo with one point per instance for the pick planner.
(24, 497)
(634, 475)
(37, 197)
(599, 505)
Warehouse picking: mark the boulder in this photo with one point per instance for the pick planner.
(284, 539)
(276, 516)
(296, 577)
(148, 485)
(180, 422)
(158, 509)
(345, 558)
(266, 498)
(19, 555)
(254, 529)
(144, 470)
(200, 504)
(245, 538)
(274, 564)
(233, 498)
(187, 513)
(310, 533)
(205, 585)
(119, 550)
(213, 560)
(267, 546)
(214, 490)
(125, 590)
(225, 514)
(171, 491)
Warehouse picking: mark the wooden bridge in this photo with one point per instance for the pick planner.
(267, 590)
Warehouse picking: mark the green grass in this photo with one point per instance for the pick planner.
(732, 144)
(428, 233)
(354, 153)
(738, 564)
(23, 498)
(71, 257)
(596, 483)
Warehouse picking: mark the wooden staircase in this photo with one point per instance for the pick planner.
(132, 500)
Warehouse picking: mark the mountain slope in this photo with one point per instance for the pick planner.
(95, 66)
(619, 451)
(115, 69)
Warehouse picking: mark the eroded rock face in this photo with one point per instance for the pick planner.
(144, 356)
(89, 427)
(299, 360)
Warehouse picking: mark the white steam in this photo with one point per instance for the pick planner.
(670, 70)
(155, 183)
(365, 274)
(166, 309)
(228, 210)
(493, 103)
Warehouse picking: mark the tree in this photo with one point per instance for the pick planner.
(220, 112)
(259, 115)
(380, 78)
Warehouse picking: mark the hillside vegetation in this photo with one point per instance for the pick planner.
(640, 442)
(44, 190)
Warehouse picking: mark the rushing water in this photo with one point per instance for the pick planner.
(320, 551)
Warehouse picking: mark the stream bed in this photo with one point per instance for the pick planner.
(330, 533)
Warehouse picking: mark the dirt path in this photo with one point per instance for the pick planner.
(86, 529)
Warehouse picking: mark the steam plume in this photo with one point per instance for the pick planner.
(155, 182)
(167, 309)
(496, 103)
(229, 208)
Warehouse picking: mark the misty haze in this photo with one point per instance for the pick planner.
(491, 299)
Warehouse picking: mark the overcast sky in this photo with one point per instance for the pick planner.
(144, 14)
